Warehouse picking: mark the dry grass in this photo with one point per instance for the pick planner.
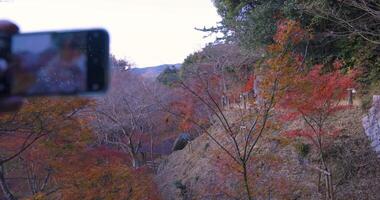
(356, 167)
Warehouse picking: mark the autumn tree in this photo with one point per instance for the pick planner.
(23, 133)
(221, 67)
(225, 65)
(103, 173)
(48, 151)
(241, 130)
(315, 97)
(126, 116)
(344, 29)
(241, 142)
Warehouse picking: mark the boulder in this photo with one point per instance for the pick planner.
(371, 124)
(181, 141)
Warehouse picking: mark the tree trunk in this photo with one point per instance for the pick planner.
(328, 180)
(327, 187)
(151, 147)
(246, 183)
(332, 188)
(350, 97)
(4, 187)
(135, 160)
(319, 181)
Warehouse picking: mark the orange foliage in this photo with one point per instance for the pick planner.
(249, 84)
(313, 96)
(289, 31)
(50, 140)
(102, 174)
(316, 96)
(263, 177)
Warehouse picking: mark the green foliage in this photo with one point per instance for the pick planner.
(303, 149)
(190, 64)
(252, 23)
(367, 94)
(345, 31)
(259, 27)
(119, 63)
(369, 60)
(169, 76)
(355, 52)
(193, 58)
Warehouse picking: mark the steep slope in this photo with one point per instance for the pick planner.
(197, 173)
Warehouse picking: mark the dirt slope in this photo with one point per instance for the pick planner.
(195, 173)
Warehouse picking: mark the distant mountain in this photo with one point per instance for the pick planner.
(154, 71)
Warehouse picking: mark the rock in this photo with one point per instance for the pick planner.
(371, 124)
(181, 141)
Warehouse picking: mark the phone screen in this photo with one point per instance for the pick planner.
(49, 63)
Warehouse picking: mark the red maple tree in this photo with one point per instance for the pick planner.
(315, 97)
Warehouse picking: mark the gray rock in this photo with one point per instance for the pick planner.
(371, 124)
(181, 141)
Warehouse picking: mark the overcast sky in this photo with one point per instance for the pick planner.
(146, 32)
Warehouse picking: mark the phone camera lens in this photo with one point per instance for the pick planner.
(95, 87)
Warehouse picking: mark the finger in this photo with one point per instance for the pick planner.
(9, 104)
(8, 27)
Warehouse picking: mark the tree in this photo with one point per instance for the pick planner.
(119, 64)
(251, 23)
(225, 65)
(121, 116)
(127, 115)
(346, 30)
(238, 135)
(168, 76)
(342, 29)
(265, 173)
(311, 95)
(47, 151)
(350, 17)
(315, 97)
(102, 173)
(27, 132)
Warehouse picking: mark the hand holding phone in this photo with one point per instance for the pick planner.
(56, 63)
(8, 104)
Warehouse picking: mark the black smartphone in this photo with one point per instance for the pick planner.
(56, 63)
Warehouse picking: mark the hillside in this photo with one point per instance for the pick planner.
(153, 71)
(196, 173)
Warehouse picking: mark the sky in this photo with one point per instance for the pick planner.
(145, 32)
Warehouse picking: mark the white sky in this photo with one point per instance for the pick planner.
(146, 32)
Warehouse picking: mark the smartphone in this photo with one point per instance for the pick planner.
(56, 63)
